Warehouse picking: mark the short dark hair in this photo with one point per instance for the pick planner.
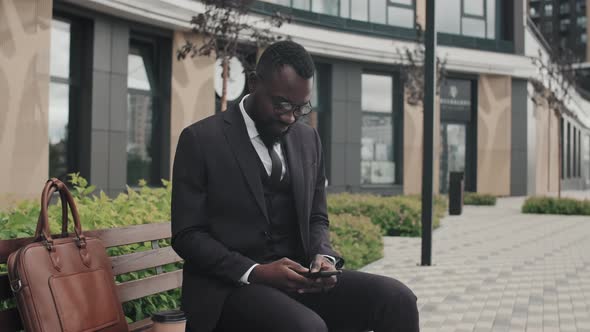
(282, 53)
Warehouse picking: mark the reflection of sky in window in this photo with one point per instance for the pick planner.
(137, 77)
(448, 15)
(377, 11)
(402, 2)
(377, 93)
(58, 111)
(301, 4)
(473, 7)
(401, 17)
(474, 27)
(60, 49)
(358, 10)
(329, 7)
(491, 18)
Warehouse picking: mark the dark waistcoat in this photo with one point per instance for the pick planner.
(282, 234)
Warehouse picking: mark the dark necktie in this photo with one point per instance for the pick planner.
(276, 169)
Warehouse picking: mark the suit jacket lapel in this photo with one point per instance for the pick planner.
(239, 141)
(293, 146)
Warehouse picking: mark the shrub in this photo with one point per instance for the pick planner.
(395, 215)
(144, 205)
(478, 199)
(550, 205)
(357, 239)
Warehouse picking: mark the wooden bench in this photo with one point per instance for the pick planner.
(130, 290)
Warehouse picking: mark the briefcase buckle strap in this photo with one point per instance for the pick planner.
(16, 285)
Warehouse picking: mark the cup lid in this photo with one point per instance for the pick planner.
(169, 316)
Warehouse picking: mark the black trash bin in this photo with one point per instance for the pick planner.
(456, 188)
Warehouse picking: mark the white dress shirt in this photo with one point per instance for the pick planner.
(262, 152)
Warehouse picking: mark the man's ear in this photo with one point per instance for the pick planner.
(252, 81)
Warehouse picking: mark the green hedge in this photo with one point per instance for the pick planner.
(550, 205)
(356, 239)
(478, 199)
(395, 215)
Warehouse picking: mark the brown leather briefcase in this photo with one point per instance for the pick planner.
(64, 284)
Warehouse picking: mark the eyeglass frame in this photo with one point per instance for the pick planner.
(281, 107)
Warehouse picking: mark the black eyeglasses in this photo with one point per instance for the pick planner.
(298, 110)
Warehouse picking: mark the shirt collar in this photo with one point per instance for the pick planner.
(250, 126)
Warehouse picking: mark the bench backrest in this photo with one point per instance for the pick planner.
(130, 290)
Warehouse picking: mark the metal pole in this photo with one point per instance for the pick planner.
(428, 156)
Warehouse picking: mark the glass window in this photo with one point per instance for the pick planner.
(377, 159)
(586, 157)
(329, 7)
(59, 99)
(548, 9)
(345, 8)
(491, 18)
(473, 7)
(401, 17)
(402, 2)
(564, 8)
(583, 38)
(474, 27)
(582, 22)
(377, 11)
(280, 2)
(448, 17)
(301, 4)
(359, 10)
(564, 24)
(140, 93)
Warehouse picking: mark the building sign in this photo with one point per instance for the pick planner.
(455, 95)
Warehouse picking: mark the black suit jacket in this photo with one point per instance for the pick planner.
(218, 209)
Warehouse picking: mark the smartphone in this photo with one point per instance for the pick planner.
(320, 274)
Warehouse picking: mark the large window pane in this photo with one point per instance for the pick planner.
(59, 99)
(474, 27)
(329, 7)
(377, 93)
(491, 18)
(377, 11)
(473, 7)
(139, 119)
(402, 2)
(401, 17)
(301, 4)
(359, 10)
(345, 8)
(60, 49)
(448, 16)
(377, 160)
(59, 96)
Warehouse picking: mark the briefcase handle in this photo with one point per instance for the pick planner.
(43, 228)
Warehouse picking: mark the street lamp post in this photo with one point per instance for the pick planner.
(428, 146)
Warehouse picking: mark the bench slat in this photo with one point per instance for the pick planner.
(111, 237)
(135, 289)
(9, 246)
(144, 260)
(5, 291)
(144, 325)
(119, 236)
(10, 320)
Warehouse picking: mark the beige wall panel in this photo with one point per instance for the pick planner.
(547, 163)
(421, 13)
(494, 134)
(413, 139)
(24, 96)
(193, 92)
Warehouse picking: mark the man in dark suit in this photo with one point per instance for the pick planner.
(249, 218)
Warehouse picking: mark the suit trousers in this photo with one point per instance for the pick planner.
(359, 302)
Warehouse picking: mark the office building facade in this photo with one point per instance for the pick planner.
(94, 86)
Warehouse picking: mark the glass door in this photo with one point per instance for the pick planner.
(453, 138)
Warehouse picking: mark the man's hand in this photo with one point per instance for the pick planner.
(282, 274)
(321, 263)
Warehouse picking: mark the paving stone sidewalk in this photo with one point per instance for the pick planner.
(496, 269)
